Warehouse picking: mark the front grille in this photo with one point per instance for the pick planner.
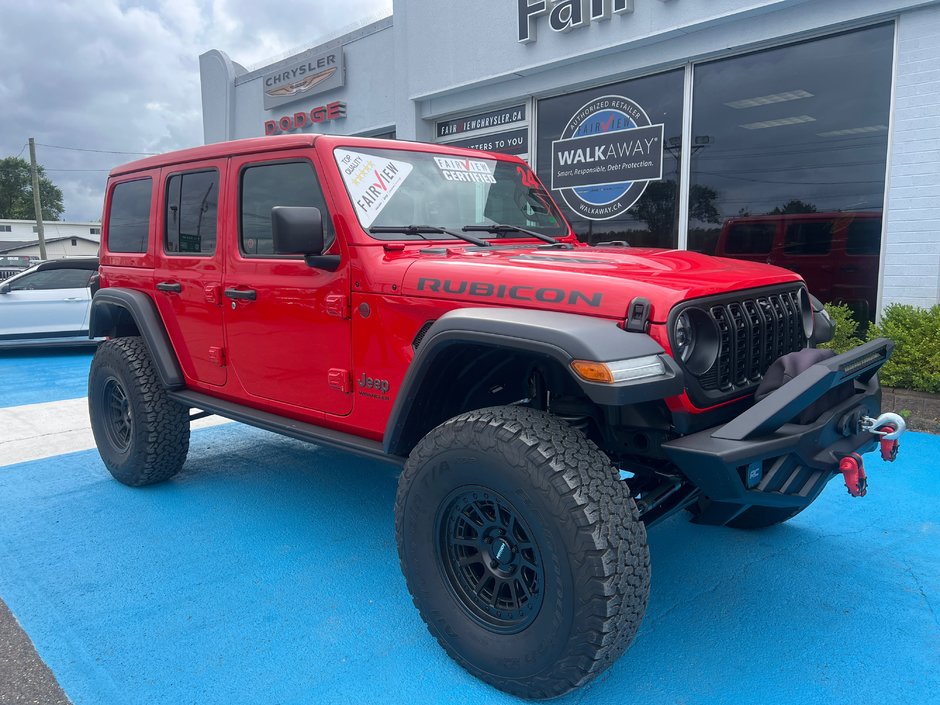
(7, 273)
(752, 333)
(753, 328)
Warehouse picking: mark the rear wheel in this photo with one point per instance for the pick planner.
(522, 549)
(141, 434)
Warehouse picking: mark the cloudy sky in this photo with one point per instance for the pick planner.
(123, 75)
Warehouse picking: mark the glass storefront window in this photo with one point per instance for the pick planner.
(788, 160)
(611, 156)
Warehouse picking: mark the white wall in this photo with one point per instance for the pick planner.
(911, 259)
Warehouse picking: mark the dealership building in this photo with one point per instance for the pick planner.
(804, 133)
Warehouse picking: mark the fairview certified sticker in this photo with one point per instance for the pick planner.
(371, 181)
(466, 170)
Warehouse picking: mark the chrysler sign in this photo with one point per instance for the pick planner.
(303, 76)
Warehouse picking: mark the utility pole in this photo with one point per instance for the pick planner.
(37, 202)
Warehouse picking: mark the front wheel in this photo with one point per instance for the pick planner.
(522, 549)
(141, 434)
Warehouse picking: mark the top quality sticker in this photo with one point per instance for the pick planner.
(371, 180)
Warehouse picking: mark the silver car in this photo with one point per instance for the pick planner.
(48, 304)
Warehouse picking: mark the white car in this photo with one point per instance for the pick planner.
(48, 304)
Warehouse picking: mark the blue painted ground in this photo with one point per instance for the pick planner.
(34, 376)
(266, 572)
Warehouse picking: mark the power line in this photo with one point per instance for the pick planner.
(99, 151)
(25, 145)
(105, 170)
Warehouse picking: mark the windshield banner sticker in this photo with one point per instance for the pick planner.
(606, 157)
(467, 170)
(371, 180)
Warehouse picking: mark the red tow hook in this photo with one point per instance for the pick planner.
(890, 427)
(853, 470)
(889, 447)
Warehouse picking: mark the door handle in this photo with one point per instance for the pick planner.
(174, 287)
(75, 298)
(249, 294)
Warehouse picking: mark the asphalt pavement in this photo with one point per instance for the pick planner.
(267, 572)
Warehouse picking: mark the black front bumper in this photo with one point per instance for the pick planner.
(762, 458)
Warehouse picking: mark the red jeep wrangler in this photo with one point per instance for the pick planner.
(431, 307)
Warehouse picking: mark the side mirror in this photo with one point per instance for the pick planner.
(4, 288)
(298, 230)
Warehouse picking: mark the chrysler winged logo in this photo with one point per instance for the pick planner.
(302, 76)
(292, 89)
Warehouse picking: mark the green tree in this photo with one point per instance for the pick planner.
(16, 192)
(794, 206)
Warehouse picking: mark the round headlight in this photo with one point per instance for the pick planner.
(695, 340)
(806, 313)
(684, 336)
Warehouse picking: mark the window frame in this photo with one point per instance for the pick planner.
(106, 237)
(167, 178)
(238, 204)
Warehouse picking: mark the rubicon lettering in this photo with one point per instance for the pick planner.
(546, 294)
(607, 154)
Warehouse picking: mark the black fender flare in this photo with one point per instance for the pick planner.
(563, 337)
(108, 307)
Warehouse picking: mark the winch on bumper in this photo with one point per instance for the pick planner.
(763, 458)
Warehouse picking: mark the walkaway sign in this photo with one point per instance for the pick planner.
(606, 156)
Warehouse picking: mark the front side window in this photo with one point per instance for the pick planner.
(280, 184)
(397, 188)
(192, 205)
(129, 216)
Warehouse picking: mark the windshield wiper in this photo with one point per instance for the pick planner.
(498, 229)
(421, 230)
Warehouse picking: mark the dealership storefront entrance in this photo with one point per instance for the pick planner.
(805, 135)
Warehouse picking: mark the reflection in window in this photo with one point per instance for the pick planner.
(191, 211)
(653, 220)
(797, 136)
(750, 239)
(809, 238)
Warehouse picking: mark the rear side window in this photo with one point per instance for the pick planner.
(864, 237)
(192, 208)
(129, 217)
(750, 239)
(268, 185)
(808, 238)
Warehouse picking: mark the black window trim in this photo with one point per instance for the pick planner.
(166, 188)
(273, 162)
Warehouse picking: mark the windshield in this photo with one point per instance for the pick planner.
(393, 188)
(11, 261)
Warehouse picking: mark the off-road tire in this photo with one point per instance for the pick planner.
(584, 526)
(754, 517)
(142, 435)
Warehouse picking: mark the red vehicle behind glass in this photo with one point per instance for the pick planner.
(836, 253)
(430, 307)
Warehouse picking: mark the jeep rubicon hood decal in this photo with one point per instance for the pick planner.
(596, 281)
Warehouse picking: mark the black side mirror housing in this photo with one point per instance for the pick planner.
(4, 288)
(298, 230)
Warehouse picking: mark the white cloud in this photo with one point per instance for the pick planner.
(110, 76)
